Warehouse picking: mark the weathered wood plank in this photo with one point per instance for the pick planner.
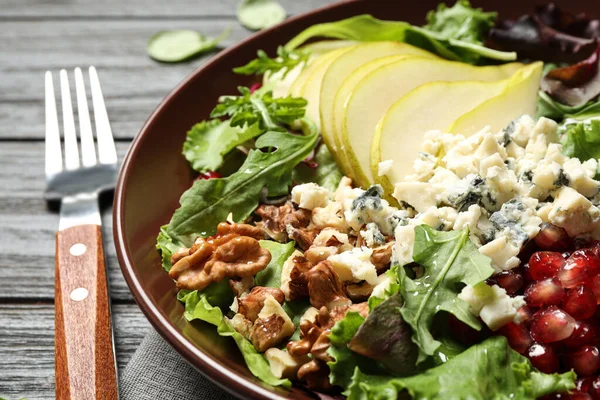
(28, 227)
(137, 8)
(27, 346)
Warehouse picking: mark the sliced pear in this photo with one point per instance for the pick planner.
(518, 99)
(282, 84)
(342, 67)
(432, 106)
(377, 92)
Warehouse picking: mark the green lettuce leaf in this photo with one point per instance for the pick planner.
(461, 22)
(270, 165)
(198, 307)
(326, 174)
(280, 252)
(366, 28)
(393, 273)
(295, 310)
(166, 246)
(209, 141)
(582, 140)
(490, 370)
(345, 360)
(449, 259)
(550, 108)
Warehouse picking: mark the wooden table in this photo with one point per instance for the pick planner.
(40, 35)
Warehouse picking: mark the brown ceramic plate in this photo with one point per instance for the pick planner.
(155, 174)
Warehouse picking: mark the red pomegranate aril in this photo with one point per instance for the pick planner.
(518, 336)
(580, 302)
(551, 325)
(464, 333)
(579, 396)
(579, 268)
(543, 357)
(594, 388)
(552, 237)
(594, 284)
(583, 334)
(510, 281)
(585, 361)
(525, 315)
(209, 175)
(544, 293)
(545, 264)
(584, 384)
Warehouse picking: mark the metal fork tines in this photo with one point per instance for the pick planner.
(78, 181)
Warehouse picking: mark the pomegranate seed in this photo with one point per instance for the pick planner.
(594, 388)
(464, 333)
(585, 360)
(551, 325)
(584, 384)
(509, 281)
(543, 357)
(580, 302)
(555, 396)
(579, 268)
(524, 316)
(255, 87)
(579, 396)
(552, 237)
(545, 264)
(583, 334)
(566, 254)
(546, 292)
(209, 175)
(526, 272)
(594, 284)
(518, 336)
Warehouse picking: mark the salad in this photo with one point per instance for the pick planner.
(400, 211)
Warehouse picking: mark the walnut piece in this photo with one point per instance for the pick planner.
(249, 306)
(272, 326)
(240, 286)
(325, 287)
(276, 220)
(296, 282)
(316, 375)
(382, 257)
(284, 365)
(227, 254)
(303, 237)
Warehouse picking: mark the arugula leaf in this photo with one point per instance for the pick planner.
(366, 28)
(197, 306)
(181, 45)
(285, 62)
(166, 246)
(208, 202)
(280, 252)
(260, 107)
(582, 140)
(490, 370)
(209, 141)
(260, 14)
(345, 360)
(327, 173)
(449, 259)
(461, 22)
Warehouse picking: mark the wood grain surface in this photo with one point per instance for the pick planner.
(40, 35)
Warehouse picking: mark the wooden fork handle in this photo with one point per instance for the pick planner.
(84, 352)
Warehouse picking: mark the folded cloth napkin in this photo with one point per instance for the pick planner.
(157, 371)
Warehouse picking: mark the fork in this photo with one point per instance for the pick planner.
(84, 346)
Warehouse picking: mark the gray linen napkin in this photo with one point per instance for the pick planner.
(157, 371)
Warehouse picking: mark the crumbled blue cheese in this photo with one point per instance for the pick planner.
(502, 253)
(355, 265)
(495, 307)
(372, 235)
(573, 212)
(310, 196)
(385, 167)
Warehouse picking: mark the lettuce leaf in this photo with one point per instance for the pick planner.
(295, 310)
(490, 370)
(166, 246)
(461, 22)
(197, 306)
(449, 259)
(270, 165)
(280, 252)
(366, 28)
(582, 140)
(209, 141)
(345, 360)
(326, 174)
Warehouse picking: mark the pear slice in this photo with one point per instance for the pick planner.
(281, 85)
(518, 99)
(432, 106)
(377, 92)
(342, 67)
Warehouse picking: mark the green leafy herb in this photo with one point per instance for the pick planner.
(582, 140)
(449, 259)
(369, 29)
(285, 62)
(197, 306)
(487, 371)
(550, 108)
(280, 252)
(260, 108)
(327, 173)
(208, 142)
(181, 45)
(208, 202)
(345, 360)
(461, 22)
(385, 337)
(260, 14)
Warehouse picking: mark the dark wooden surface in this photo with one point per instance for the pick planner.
(40, 35)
